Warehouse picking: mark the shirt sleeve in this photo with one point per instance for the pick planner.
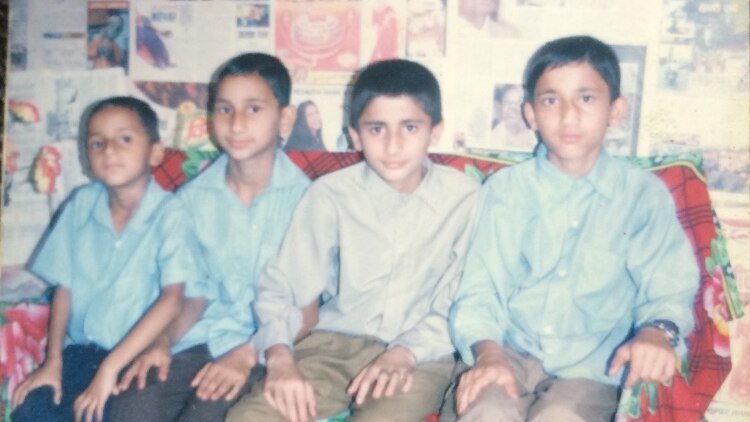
(662, 264)
(477, 312)
(425, 339)
(53, 259)
(179, 257)
(298, 274)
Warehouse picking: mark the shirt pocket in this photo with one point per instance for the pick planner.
(603, 290)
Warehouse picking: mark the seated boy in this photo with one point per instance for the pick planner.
(579, 266)
(381, 243)
(119, 252)
(241, 206)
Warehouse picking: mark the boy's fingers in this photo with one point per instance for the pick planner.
(621, 357)
(232, 393)
(163, 371)
(511, 389)
(354, 386)
(199, 376)
(311, 404)
(408, 383)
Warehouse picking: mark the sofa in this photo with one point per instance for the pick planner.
(705, 363)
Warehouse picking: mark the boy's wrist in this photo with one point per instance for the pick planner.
(278, 354)
(667, 327)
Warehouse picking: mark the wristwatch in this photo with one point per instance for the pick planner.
(669, 327)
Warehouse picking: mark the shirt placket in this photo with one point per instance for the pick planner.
(401, 255)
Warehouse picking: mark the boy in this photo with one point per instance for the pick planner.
(580, 266)
(119, 253)
(381, 243)
(241, 206)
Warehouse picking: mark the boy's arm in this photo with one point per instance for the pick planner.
(50, 373)
(296, 277)
(477, 312)
(491, 367)
(90, 404)
(158, 354)
(662, 264)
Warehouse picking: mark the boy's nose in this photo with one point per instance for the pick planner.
(393, 144)
(237, 122)
(570, 113)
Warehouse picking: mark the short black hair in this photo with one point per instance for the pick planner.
(575, 49)
(145, 113)
(393, 78)
(268, 67)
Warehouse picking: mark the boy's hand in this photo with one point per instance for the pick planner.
(286, 390)
(225, 376)
(156, 356)
(392, 369)
(491, 368)
(48, 374)
(89, 406)
(650, 355)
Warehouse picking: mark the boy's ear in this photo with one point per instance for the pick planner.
(618, 111)
(354, 135)
(528, 114)
(288, 116)
(436, 132)
(157, 154)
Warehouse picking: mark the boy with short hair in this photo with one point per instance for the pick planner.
(241, 206)
(382, 244)
(579, 266)
(120, 253)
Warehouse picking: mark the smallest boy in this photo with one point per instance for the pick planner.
(381, 243)
(580, 267)
(119, 254)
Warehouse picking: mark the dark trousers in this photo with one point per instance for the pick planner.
(79, 365)
(174, 399)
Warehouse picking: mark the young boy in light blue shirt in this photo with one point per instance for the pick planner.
(579, 266)
(241, 206)
(120, 254)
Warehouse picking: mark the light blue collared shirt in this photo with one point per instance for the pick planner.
(237, 241)
(563, 268)
(114, 278)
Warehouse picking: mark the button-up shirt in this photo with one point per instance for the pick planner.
(114, 277)
(237, 241)
(384, 263)
(563, 268)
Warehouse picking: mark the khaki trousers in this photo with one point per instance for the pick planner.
(542, 397)
(330, 361)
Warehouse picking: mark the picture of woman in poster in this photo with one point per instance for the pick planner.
(307, 133)
(385, 20)
(509, 130)
(484, 17)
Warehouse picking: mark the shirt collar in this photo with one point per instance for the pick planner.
(380, 189)
(602, 177)
(284, 173)
(152, 198)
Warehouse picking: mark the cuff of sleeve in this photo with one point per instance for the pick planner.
(224, 342)
(424, 351)
(465, 340)
(271, 335)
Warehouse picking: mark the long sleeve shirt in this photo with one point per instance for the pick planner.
(384, 263)
(237, 242)
(564, 268)
(113, 277)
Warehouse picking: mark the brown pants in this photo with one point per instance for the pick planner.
(542, 397)
(330, 361)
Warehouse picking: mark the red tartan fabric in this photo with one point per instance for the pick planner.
(682, 401)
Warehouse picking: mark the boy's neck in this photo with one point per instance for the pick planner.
(248, 178)
(574, 167)
(124, 202)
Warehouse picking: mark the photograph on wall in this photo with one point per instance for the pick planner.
(107, 35)
(319, 43)
(383, 28)
(425, 28)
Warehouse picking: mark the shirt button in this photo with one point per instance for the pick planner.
(562, 272)
(547, 329)
(574, 224)
(118, 243)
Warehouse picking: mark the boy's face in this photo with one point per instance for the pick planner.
(572, 109)
(394, 135)
(247, 117)
(118, 148)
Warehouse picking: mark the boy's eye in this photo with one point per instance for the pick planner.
(376, 130)
(549, 100)
(222, 109)
(411, 127)
(125, 139)
(253, 109)
(587, 98)
(95, 144)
